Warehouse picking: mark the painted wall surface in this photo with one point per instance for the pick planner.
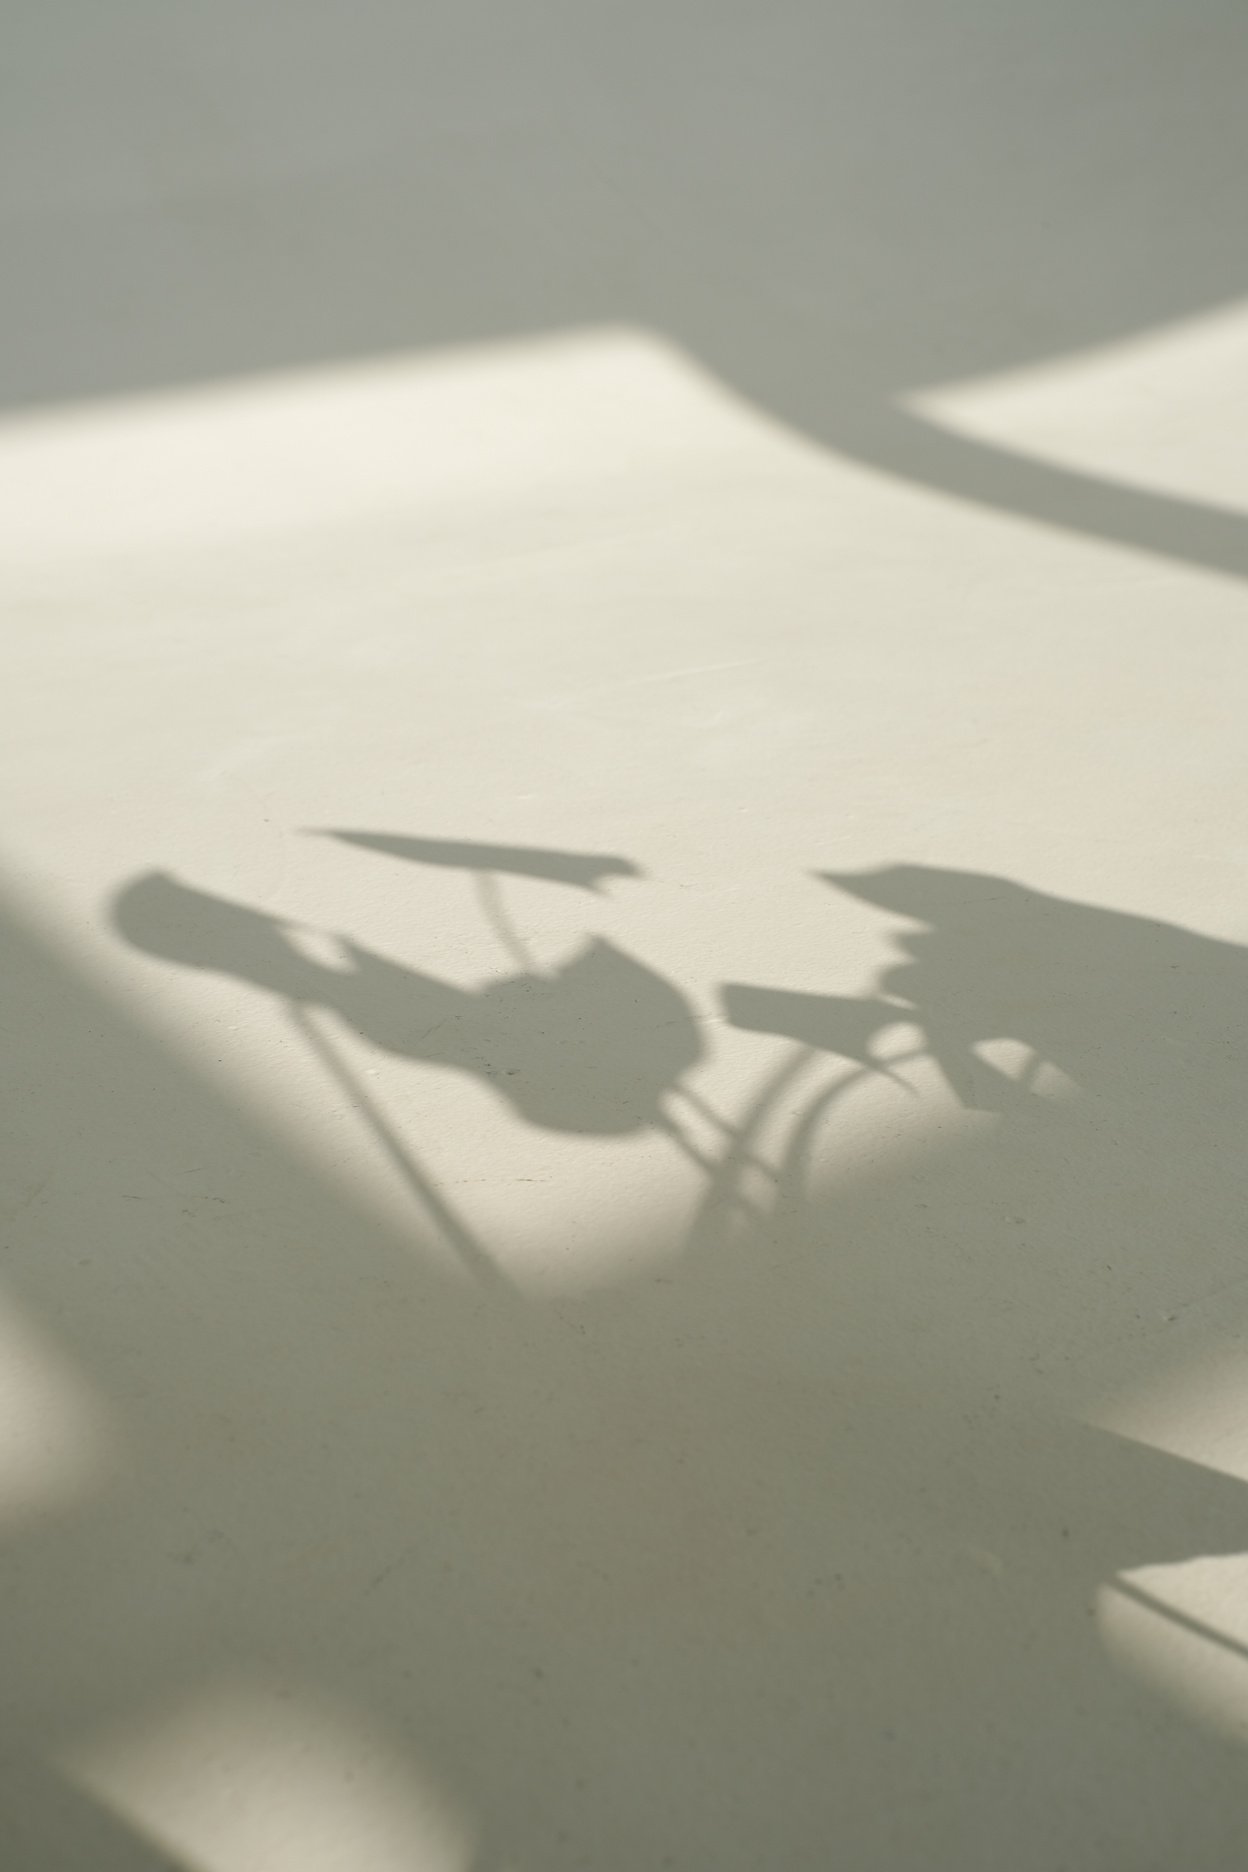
(624, 909)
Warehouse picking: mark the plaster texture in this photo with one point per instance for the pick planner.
(625, 937)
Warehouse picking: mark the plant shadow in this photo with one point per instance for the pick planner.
(789, 1539)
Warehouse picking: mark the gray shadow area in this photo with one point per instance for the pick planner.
(45, 1821)
(780, 1545)
(1134, 1013)
(582, 870)
(591, 1046)
(830, 207)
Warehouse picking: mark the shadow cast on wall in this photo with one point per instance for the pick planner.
(784, 1539)
(1129, 1010)
(591, 1046)
(832, 208)
(584, 870)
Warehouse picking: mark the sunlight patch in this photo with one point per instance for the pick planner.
(56, 1442)
(402, 437)
(1163, 411)
(1182, 1632)
(244, 1779)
